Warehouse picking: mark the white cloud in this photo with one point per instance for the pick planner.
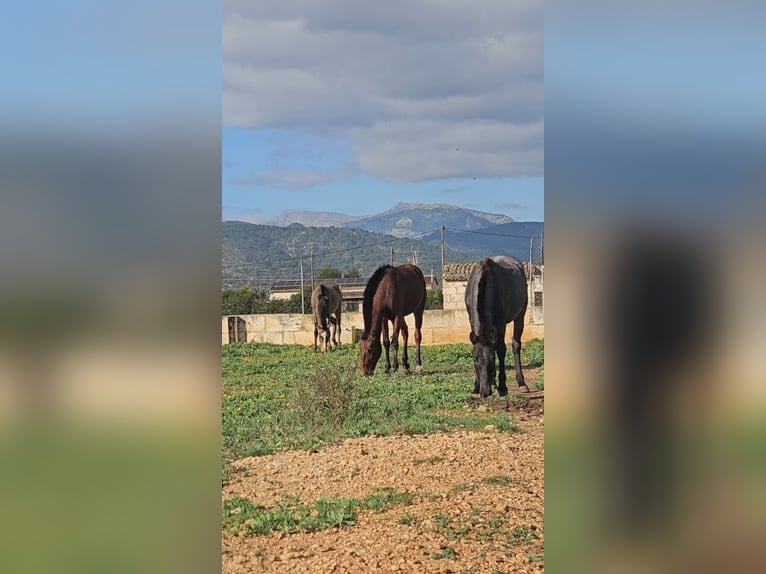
(405, 81)
(289, 178)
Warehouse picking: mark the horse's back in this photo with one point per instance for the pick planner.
(504, 277)
(413, 285)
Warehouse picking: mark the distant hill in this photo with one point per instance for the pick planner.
(315, 218)
(402, 220)
(261, 254)
(408, 219)
(505, 239)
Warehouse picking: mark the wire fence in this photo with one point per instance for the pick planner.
(430, 250)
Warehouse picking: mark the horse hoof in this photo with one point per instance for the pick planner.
(523, 389)
(418, 368)
(502, 392)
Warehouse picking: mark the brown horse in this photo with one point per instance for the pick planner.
(326, 301)
(391, 293)
(495, 295)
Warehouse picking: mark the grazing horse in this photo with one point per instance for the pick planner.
(326, 301)
(495, 295)
(390, 294)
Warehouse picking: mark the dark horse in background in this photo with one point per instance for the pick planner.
(326, 301)
(495, 295)
(391, 293)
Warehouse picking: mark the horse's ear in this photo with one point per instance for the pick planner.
(492, 336)
(473, 338)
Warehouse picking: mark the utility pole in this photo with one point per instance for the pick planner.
(414, 257)
(530, 259)
(311, 269)
(442, 244)
(303, 303)
(392, 257)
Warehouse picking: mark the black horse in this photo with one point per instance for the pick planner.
(495, 295)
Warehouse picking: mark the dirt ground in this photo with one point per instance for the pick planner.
(477, 505)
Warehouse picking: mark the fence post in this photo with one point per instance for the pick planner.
(303, 303)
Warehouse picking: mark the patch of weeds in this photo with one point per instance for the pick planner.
(448, 553)
(533, 353)
(324, 398)
(536, 558)
(408, 520)
(522, 534)
(434, 497)
(499, 480)
(540, 383)
(241, 516)
(429, 460)
(462, 487)
(386, 498)
(442, 520)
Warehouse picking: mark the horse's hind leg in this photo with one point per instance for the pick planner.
(386, 345)
(395, 342)
(339, 331)
(418, 338)
(405, 338)
(500, 348)
(316, 333)
(518, 329)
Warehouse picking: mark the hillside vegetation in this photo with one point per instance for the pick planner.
(261, 254)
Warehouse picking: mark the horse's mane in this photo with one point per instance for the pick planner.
(369, 293)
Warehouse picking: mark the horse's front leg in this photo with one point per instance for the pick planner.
(500, 348)
(326, 342)
(316, 334)
(386, 345)
(339, 330)
(518, 329)
(405, 338)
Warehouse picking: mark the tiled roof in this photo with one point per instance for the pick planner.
(457, 271)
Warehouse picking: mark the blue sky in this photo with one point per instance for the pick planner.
(335, 106)
(256, 181)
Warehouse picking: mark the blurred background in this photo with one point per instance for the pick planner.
(654, 204)
(109, 292)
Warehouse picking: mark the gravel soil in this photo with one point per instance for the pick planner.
(477, 503)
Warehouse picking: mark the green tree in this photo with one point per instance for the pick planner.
(242, 301)
(329, 273)
(434, 299)
(352, 273)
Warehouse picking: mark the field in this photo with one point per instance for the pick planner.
(325, 470)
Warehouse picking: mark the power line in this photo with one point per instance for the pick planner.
(497, 234)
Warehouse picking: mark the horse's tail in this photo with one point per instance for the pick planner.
(322, 310)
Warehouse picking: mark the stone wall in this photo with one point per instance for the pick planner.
(439, 326)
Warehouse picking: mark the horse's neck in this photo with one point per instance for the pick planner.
(376, 324)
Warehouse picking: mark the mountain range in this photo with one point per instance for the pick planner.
(261, 254)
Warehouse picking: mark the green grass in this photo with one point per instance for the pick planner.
(408, 520)
(278, 397)
(500, 480)
(242, 516)
(446, 553)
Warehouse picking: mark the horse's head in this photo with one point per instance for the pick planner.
(370, 351)
(484, 360)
